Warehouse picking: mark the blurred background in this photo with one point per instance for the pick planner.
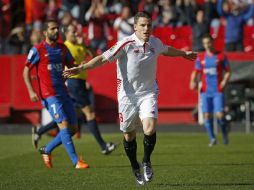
(178, 23)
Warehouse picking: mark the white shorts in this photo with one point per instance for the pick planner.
(133, 110)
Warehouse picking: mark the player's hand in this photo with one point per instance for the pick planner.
(33, 96)
(70, 72)
(190, 55)
(222, 85)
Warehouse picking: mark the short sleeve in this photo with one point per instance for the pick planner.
(69, 61)
(225, 64)
(33, 58)
(115, 51)
(198, 65)
(160, 47)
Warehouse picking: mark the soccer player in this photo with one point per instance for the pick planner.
(78, 90)
(213, 68)
(79, 93)
(49, 58)
(136, 57)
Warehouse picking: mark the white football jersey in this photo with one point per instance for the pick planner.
(136, 65)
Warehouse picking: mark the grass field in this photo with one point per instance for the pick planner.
(180, 160)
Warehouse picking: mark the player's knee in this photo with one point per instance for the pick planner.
(129, 136)
(208, 116)
(220, 115)
(149, 130)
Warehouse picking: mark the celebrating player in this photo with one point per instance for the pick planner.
(214, 69)
(50, 57)
(136, 57)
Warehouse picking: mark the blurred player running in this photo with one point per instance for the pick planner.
(136, 57)
(214, 69)
(79, 93)
(49, 58)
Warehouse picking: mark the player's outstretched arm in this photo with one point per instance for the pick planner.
(32, 94)
(95, 62)
(172, 52)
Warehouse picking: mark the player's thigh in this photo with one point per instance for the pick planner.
(206, 103)
(128, 116)
(149, 125)
(148, 112)
(219, 103)
(70, 112)
(148, 106)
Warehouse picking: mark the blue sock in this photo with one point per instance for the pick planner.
(68, 144)
(54, 143)
(93, 128)
(209, 128)
(222, 124)
(45, 128)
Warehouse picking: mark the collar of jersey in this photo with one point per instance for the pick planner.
(139, 41)
(53, 45)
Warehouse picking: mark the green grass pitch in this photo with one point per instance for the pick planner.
(180, 161)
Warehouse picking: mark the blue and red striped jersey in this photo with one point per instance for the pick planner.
(50, 61)
(211, 68)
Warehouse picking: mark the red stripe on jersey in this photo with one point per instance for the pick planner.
(122, 46)
(201, 57)
(44, 76)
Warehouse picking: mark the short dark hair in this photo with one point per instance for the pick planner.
(142, 14)
(207, 36)
(46, 23)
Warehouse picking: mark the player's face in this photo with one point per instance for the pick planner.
(143, 28)
(52, 32)
(71, 34)
(208, 44)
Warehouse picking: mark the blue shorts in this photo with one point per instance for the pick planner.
(78, 92)
(61, 109)
(212, 103)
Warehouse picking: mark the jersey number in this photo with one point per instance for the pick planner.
(121, 117)
(53, 106)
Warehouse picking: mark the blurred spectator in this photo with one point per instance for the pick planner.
(235, 19)
(16, 40)
(84, 6)
(97, 26)
(35, 37)
(52, 10)
(5, 19)
(199, 22)
(124, 23)
(170, 15)
(149, 6)
(39, 8)
(72, 6)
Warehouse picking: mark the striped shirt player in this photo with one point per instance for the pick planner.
(212, 68)
(50, 62)
(50, 58)
(136, 78)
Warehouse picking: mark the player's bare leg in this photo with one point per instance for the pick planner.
(149, 127)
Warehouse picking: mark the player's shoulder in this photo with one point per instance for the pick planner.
(201, 55)
(126, 40)
(221, 55)
(155, 40)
